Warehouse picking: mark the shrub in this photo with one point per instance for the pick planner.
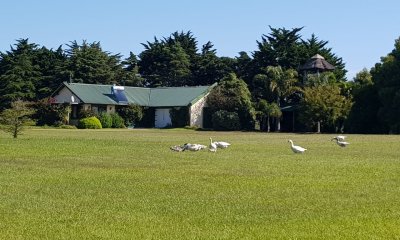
(224, 120)
(117, 121)
(106, 120)
(50, 114)
(90, 122)
(67, 127)
(131, 114)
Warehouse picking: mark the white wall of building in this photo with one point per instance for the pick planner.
(196, 112)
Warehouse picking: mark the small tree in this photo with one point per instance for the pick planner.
(282, 84)
(324, 104)
(268, 110)
(16, 117)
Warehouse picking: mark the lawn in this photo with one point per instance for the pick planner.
(128, 184)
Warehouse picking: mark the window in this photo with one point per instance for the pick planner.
(97, 109)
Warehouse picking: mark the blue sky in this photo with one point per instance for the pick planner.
(358, 31)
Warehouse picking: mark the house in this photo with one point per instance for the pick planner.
(157, 102)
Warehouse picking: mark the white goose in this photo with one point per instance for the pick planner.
(341, 137)
(296, 149)
(222, 144)
(193, 147)
(340, 142)
(213, 146)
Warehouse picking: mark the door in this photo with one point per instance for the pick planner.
(162, 118)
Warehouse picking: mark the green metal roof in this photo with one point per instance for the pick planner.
(150, 97)
(176, 96)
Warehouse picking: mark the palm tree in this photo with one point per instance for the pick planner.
(269, 110)
(282, 84)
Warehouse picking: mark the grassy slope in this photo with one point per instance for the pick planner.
(105, 184)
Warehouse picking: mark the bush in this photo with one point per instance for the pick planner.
(50, 114)
(106, 120)
(224, 120)
(67, 127)
(90, 123)
(131, 114)
(117, 121)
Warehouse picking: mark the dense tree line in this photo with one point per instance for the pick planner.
(377, 96)
(260, 84)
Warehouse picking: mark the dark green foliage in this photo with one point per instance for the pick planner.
(85, 113)
(224, 120)
(52, 67)
(179, 117)
(28, 72)
(164, 64)
(363, 117)
(313, 46)
(243, 67)
(386, 76)
(50, 114)
(148, 118)
(131, 114)
(208, 67)
(174, 61)
(131, 70)
(275, 85)
(117, 121)
(207, 117)
(18, 73)
(89, 123)
(105, 120)
(265, 111)
(88, 63)
(282, 47)
(232, 95)
(286, 48)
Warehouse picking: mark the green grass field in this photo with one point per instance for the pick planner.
(128, 184)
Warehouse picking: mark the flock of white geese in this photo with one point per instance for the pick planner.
(196, 147)
(340, 140)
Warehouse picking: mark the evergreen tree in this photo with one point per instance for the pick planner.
(232, 95)
(131, 72)
(243, 68)
(386, 76)
(279, 48)
(163, 65)
(90, 64)
(313, 46)
(209, 68)
(175, 61)
(52, 67)
(19, 74)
